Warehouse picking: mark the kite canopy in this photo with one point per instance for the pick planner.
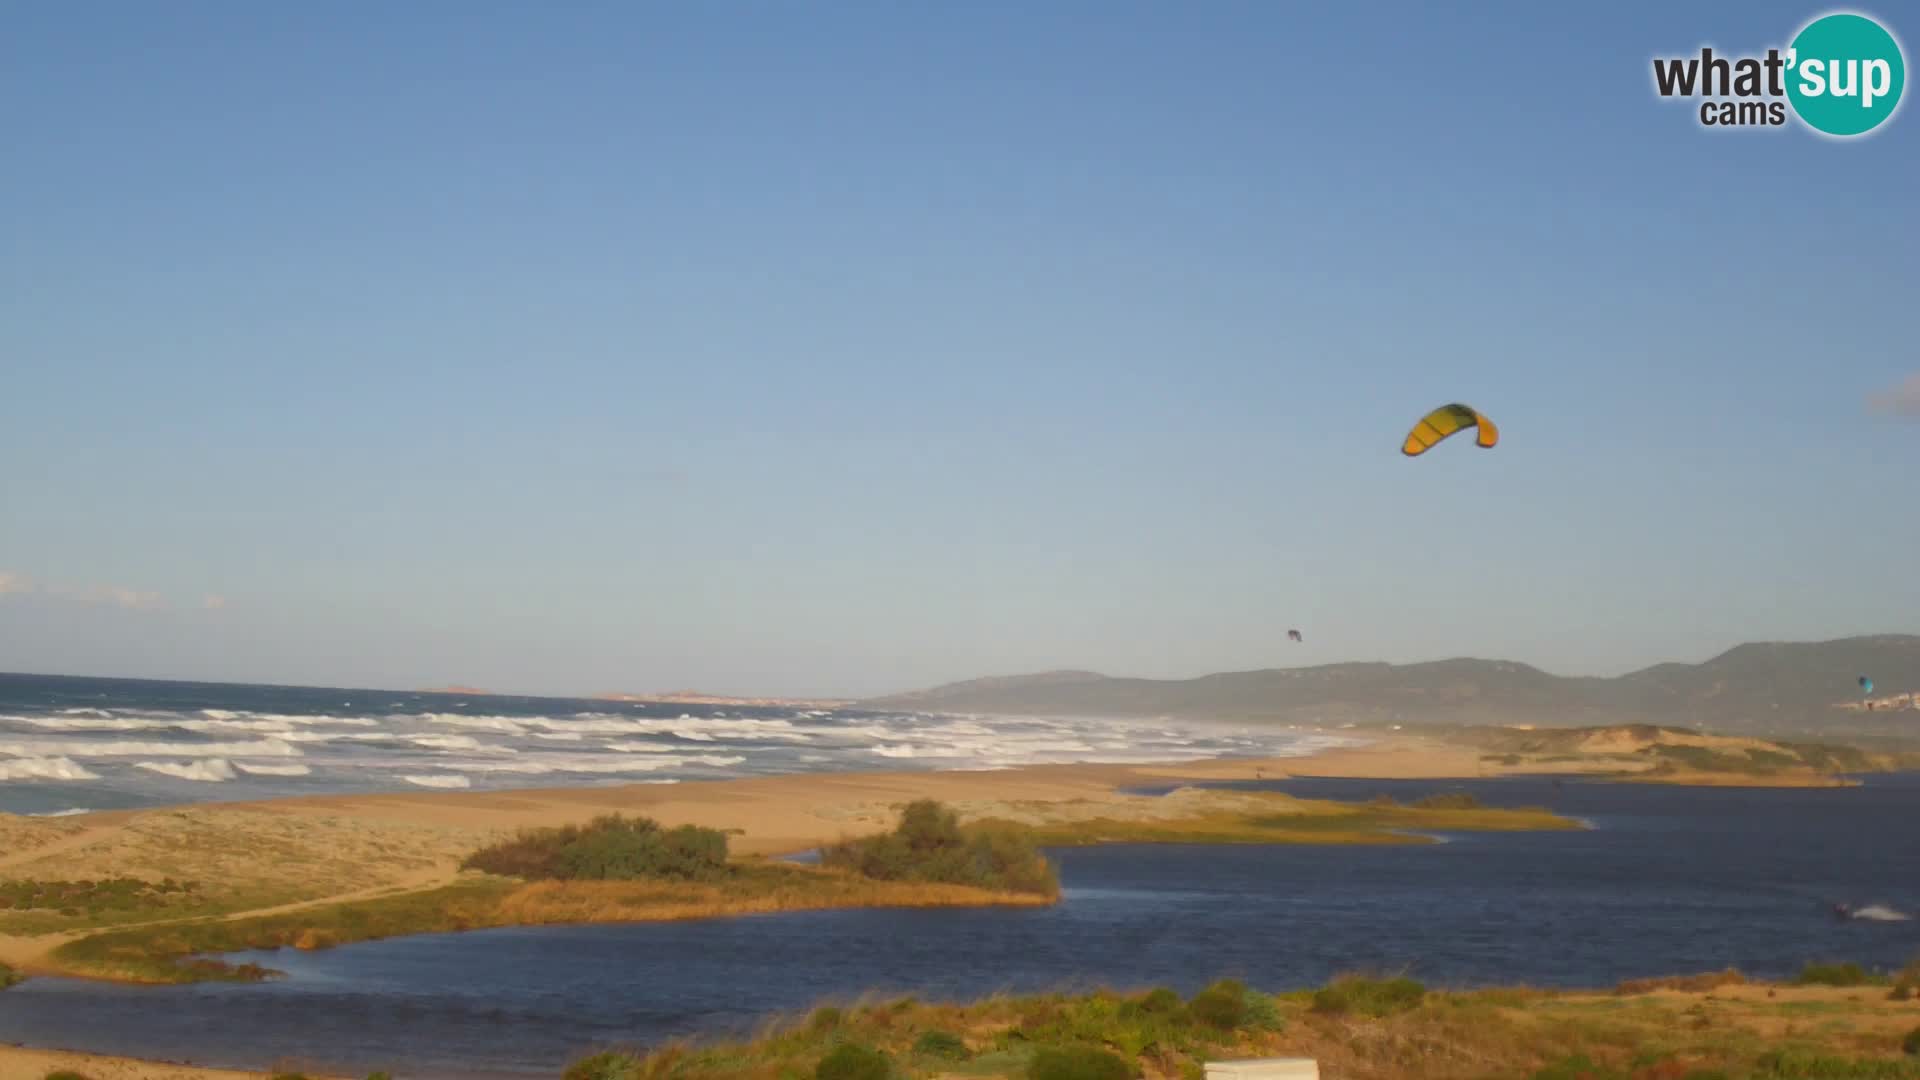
(1293, 635)
(1866, 685)
(1443, 422)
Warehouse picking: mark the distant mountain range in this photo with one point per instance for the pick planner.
(1759, 688)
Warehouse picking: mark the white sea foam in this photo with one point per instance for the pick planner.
(454, 742)
(44, 768)
(206, 770)
(261, 748)
(505, 725)
(439, 781)
(69, 812)
(559, 736)
(904, 751)
(258, 769)
(641, 747)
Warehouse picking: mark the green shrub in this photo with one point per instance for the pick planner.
(1368, 997)
(824, 1018)
(65, 1074)
(929, 845)
(851, 1061)
(944, 1045)
(1263, 1012)
(1162, 1001)
(1911, 1044)
(1222, 1005)
(607, 1066)
(1078, 1063)
(379, 1076)
(9, 977)
(609, 848)
(1577, 1067)
(1804, 1066)
(1832, 975)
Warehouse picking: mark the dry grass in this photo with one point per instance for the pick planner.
(160, 953)
(1204, 817)
(242, 860)
(795, 889)
(1488, 1035)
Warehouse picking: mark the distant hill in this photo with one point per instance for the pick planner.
(1759, 687)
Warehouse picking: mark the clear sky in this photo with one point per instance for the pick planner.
(857, 346)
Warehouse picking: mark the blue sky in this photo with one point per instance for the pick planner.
(853, 347)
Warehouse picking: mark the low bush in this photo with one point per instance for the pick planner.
(607, 1066)
(944, 1045)
(1799, 1065)
(1078, 1063)
(1368, 996)
(609, 848)
(65, 1074)
(1911, 1044)
(929, 845)
(91, 896)
(1832, 975)
(851, 1061)
(1222, 1005)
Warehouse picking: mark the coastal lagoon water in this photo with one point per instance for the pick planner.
(70, 744)
(1669, 880)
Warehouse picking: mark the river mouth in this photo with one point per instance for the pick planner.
(1671, 881)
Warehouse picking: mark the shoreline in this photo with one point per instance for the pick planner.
(319, 851)
(316, 851)
(767, 817)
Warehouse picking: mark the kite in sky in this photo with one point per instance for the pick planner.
(1444, 421)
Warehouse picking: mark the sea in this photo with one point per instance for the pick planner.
(68, 745)
(1665, 880)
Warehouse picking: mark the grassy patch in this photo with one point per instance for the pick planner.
(1381, 821)
(164, 953)
(90, 897)
(8, 977)
(608, 848)
(929, 846)
(1364, 996)
(1836, 975)
(1384, 1029)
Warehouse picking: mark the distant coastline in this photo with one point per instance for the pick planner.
(695, 697)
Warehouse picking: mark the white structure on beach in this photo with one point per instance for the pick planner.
(1264, 1069)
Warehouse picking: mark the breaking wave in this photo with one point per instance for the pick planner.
(206, 770)
(261, 748)
(454, 781)
(44, 768)
(257, 769)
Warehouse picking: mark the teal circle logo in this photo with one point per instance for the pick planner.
(1844, 74)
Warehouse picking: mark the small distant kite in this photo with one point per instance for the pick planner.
(1866, 685)
(1293, 635)
(1444, 421)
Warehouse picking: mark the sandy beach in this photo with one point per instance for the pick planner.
(20, 1063)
